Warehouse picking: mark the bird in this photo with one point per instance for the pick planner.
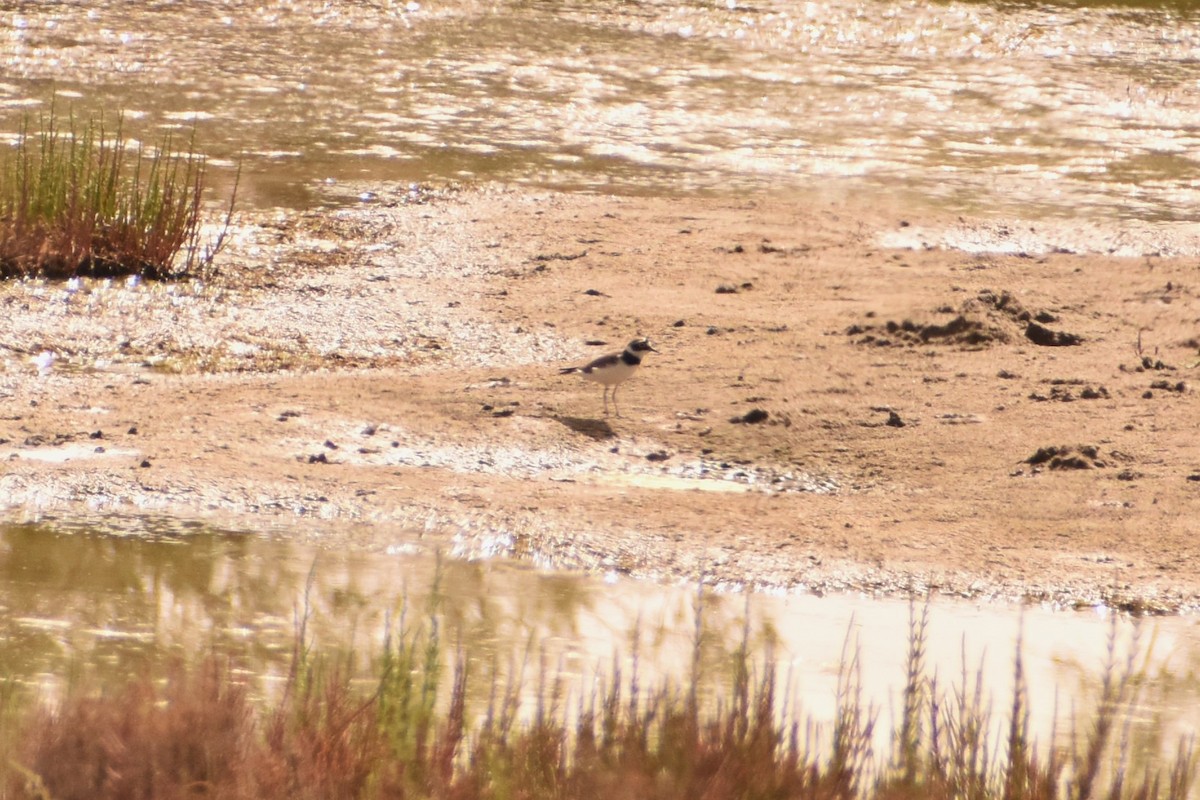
(613, 369)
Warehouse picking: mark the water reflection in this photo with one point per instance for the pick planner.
(1027, 107)
(113, 596)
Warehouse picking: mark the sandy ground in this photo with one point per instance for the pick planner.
(1012, 425)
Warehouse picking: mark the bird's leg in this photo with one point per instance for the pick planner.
(606, 401)
(617, 407)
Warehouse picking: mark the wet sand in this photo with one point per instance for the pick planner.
(841, 401)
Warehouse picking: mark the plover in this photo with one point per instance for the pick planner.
(612, 370)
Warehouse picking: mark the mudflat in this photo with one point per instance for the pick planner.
(843, 398)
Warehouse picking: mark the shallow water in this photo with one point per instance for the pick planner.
(1070, 109)
(110, 596)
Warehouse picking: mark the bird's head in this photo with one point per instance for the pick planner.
(641, 345)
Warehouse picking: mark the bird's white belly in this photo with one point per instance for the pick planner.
(611, 376)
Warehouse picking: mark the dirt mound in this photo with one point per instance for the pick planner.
(1079, 456)
(981, 321)
(958, 331)
(1004, 305)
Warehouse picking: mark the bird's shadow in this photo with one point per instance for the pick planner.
(597, 429)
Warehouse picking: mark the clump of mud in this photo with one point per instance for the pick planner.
(1148, 364)
(1080, 456)
(981, 321)
(1040, 334)
(1064, 390)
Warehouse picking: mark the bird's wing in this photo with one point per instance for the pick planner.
(603, 361)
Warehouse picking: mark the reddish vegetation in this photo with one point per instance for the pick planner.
(198, 734)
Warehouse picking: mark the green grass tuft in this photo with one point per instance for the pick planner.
(84, 201)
